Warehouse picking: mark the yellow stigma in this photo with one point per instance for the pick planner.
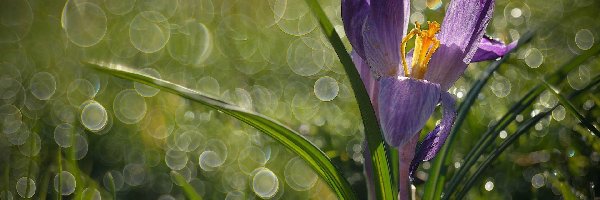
(425, 45)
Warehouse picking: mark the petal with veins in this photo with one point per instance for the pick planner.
(434, 141)
(383, 31)
(405, 106)
(462, 29)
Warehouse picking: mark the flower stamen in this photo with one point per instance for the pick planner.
(425, 45)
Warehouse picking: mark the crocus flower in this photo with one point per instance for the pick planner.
(406, 86)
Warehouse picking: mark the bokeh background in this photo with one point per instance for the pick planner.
(65, 124)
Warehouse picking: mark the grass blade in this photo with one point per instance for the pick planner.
(434, 185)
(189, 191)
(573, 110)
(523, 128)
(490, 134)
(384, 184)
(111, 186)
(313, 156)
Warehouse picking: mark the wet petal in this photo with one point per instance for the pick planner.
(462, 29)
(434, 141)
(405, 104)
(354, 13)
(383, 31)
(367, 78)
(490, 49)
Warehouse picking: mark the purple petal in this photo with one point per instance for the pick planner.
(462, 29)
(434, 141)
(490, 49)
(383, 31)
(354, 13)
(367, 78)
(405, 104)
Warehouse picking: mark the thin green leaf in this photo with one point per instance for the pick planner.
(434, 185)
(111, 185)
(313, 156)
(490, 134)
(60, 169)
(521, 129)
(189, 191)
(567, 104)
(384, 184)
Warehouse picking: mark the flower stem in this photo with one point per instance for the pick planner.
(406, 153)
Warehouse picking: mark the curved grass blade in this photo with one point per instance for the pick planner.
(434, 185)
(573, 110)
(189, 191)
(490, 134)
(521, 129)
(313, 156)
(111, 185)
(384, 184)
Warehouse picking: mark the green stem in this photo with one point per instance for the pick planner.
(384, 185)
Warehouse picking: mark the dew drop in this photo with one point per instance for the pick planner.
(500, 86)
(534, 58)
(129, 106)
(303, 59)
(42, 85)
(32, 146)
(26, 187)
(251, 158)
(93, 116)
(10, 119)
(559, 113)
(117, 178)
(209, 160)
(134, 174)
(584, 39)
(326, 88)
(149, 31)
(67, 183)
(538, 180)
(489, 185)
(84, 23)
(299, 175)
(63, 135)
(176, 160)
(91, 194)
(265, 183)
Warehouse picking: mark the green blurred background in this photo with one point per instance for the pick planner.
(64, 124)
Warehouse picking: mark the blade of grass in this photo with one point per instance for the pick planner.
(111, 186)
(189, 191)
(45, 183)
(434, 185)
(60, 168)
(523, 128)
(313, 156)
(384, 184)
(567, 104)
(493, 132)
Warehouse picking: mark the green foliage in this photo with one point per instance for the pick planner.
(289, 138)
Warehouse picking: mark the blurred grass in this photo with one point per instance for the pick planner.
(268, 58)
